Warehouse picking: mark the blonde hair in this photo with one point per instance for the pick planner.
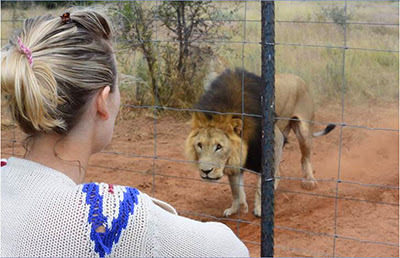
(71, 61)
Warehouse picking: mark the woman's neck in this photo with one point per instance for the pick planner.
(69, 155)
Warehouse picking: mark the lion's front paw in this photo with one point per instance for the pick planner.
(309, 184)
(234, 209)
(230, 211)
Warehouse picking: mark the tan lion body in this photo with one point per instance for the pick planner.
(215, 141)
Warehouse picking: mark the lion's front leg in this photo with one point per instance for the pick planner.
(238, 194)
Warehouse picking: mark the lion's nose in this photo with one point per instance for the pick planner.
(207, 171)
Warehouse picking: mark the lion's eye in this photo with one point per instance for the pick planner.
(219, 146)
(200, 145)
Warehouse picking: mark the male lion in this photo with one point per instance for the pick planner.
(219, 145)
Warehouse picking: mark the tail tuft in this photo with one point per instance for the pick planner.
(327, 129)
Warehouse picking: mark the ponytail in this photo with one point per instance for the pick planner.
(48, 76)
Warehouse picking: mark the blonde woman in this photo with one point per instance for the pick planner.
(59, 77)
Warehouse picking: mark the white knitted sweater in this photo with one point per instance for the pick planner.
(44, 213)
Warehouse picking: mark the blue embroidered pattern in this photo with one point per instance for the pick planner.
(104, 241)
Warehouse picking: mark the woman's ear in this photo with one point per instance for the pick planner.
(101, 103)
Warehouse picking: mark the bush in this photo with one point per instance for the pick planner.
(336, 14)
(175, 68)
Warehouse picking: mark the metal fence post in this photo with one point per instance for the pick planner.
(268, 124)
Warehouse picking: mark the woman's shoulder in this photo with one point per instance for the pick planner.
(179, 236)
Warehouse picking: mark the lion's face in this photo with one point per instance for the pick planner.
(216, 146)
(212, 147)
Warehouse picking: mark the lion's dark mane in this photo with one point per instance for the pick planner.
(225, 96)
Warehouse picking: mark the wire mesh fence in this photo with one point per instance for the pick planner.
(331, 220)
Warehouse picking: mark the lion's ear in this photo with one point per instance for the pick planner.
(237, 125)
(199, 120)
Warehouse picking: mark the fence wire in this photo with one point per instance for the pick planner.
(156, 107)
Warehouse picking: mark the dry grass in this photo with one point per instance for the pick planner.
(368, 75)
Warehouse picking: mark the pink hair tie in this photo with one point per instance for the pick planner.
(3, 162)
(26, 51)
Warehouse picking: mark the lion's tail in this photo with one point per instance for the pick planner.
(327, 129)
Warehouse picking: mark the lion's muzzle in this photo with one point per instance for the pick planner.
(210, 173)
(207, 171)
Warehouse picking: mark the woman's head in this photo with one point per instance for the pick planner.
(72, 65)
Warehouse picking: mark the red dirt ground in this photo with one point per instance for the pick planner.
(367, 157)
